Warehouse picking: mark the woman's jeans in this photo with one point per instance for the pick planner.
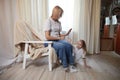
(64, 51)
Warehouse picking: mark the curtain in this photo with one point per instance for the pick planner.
(33, 11)
(7, 19)
(87, 23)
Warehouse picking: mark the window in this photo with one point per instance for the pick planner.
(68, 7)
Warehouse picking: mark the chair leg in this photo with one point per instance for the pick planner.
(50, 60)
(25, 55)
(24, 62)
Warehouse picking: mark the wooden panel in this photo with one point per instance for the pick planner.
(118, 40)
(107, 44)
(114, 42)
(106, 31)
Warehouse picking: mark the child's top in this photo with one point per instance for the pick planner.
(79, 54)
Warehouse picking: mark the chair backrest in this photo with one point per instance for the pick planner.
(23, 31)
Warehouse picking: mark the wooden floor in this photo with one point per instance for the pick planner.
(105, 66)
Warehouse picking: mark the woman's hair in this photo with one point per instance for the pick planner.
(83, 45)
(58, 8)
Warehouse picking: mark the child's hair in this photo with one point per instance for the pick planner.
(83, 45)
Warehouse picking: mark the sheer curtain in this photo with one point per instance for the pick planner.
(87, 23)
(7, 19)
(33, 11)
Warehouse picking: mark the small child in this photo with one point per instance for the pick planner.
(80, 52)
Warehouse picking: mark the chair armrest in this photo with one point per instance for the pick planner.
(49, 42)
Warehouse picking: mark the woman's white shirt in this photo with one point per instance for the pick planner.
(53, 26)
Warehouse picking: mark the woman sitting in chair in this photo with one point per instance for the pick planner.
(63, 49)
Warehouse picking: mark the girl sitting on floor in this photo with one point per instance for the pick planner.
(80, 52)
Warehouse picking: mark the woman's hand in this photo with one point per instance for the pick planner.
(62, 37)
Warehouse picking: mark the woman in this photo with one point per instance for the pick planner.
(63, 49)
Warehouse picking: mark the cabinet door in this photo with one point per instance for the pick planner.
(106, 44)
(118, 40)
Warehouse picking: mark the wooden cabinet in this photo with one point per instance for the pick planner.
(117, 40)
(106, 31)
(106, 44)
